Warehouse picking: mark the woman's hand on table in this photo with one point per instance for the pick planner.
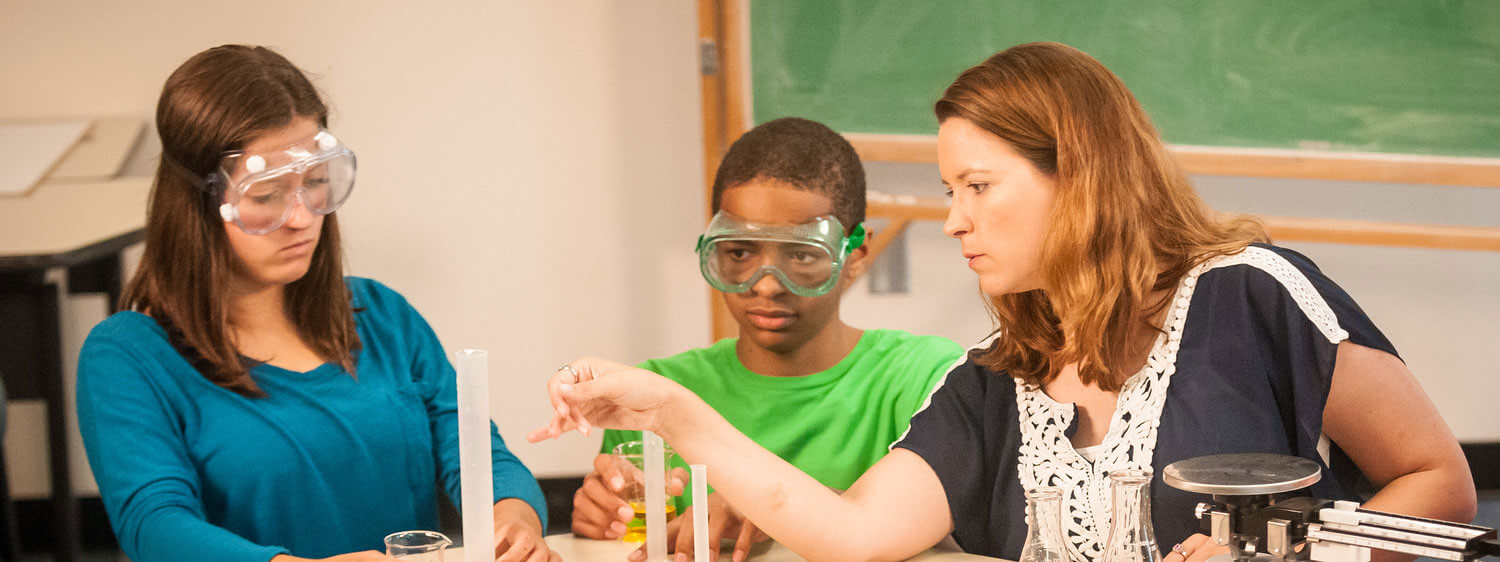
(366, 556)
(518, 534)
(606, 394)
(723, 521)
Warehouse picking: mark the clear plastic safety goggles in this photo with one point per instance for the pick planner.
(806, 258)
(261, 189)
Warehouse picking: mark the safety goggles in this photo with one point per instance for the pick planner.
(261, 189)
(806, 258)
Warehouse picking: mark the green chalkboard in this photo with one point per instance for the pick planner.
(1395, 76)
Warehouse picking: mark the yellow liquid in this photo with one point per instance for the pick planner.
(635, 531)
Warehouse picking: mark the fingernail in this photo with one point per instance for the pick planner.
(637, 555)
(682, 557)
(739, 556)
(565, 387)
(617, 483)
(616, 529)
(625, 511)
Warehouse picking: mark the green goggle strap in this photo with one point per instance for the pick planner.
(855, 239)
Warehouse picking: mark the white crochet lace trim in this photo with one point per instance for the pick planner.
(1292, 279)
(1047, 457)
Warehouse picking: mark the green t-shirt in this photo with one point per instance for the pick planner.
(834, 424)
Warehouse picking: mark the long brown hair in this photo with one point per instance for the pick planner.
(1126, 223)
(218, 101)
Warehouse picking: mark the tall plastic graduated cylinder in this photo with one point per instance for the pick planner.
(476, 469)
(700, 516)
(656, 496)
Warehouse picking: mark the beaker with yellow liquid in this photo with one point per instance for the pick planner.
(630, 459)
(635, 530)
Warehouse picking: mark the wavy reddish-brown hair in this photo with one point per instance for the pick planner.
(1126, 224)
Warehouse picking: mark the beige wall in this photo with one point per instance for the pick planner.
(530, 171)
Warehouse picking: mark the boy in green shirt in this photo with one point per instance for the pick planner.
(785, 242)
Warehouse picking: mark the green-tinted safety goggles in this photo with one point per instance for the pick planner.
(734, 253)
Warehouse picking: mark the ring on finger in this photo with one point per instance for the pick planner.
(1178, 549)
(573, 377)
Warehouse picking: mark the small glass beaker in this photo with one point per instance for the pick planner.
(424, 546)
(631, 461)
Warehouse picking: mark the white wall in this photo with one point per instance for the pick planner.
(530, 172)
(1441, 308)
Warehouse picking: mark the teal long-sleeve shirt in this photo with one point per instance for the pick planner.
(326, 464)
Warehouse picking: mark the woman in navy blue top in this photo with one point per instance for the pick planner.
(1244, 365)
(1135, 327)
(252, 403)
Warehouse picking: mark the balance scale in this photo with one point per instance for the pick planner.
(1254, 515)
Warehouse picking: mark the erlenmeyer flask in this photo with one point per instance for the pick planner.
(1044, 538)
(1131, 537)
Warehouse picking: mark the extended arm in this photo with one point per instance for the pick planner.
(896, 510)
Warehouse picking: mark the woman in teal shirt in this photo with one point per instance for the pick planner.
(252, 403)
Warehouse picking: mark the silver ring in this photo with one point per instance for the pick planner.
(573, 374)
(1178, 549)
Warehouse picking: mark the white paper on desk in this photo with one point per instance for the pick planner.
(28, 150)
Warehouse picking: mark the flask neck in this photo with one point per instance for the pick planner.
(1131, 507)
(1044, 517)
(1044, 538)
(1131, 537)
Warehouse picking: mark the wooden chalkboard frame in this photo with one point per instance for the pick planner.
(724, 41)
(1255, 162)
(1252, 162)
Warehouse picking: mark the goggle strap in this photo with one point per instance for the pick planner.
(855, 239)
(211, 184)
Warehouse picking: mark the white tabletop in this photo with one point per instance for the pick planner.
(55, 219)
(101, 152)
(574, 549)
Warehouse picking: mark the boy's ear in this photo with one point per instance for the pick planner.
(858, 262)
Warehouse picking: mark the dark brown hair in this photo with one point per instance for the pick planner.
(1126, 222)
(220, 100)
(804, 154)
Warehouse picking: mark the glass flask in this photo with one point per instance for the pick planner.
(1044, 536)
(1131, 537)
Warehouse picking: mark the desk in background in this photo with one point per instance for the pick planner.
(61, 237)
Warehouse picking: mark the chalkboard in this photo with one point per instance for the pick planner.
(1391, 76)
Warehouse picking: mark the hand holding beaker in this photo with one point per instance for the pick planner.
(631, 464)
